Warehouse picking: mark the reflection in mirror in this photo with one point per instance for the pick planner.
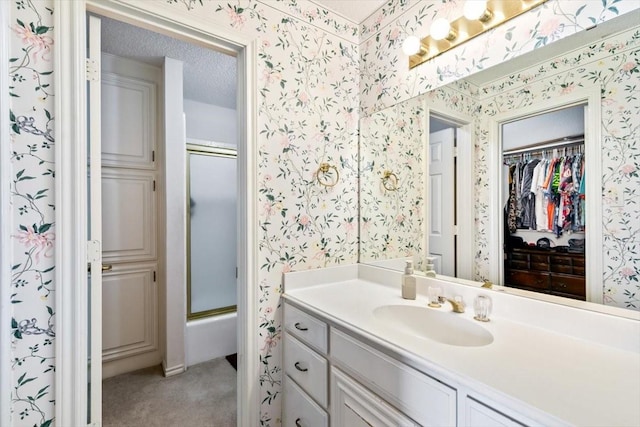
(395, 227)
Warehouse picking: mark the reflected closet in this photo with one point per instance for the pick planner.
(544, 203)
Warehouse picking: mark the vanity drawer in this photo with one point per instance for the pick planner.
(425, 400)
(307, 368)
(561, 260)
(522, 265)
(299, 409)
(568, 285)
(480, 415)
(305, 327)
(541, 259)
(530, 279)
(540, 266)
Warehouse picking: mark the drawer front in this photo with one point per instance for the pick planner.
(540, 266)
(568, 284)
(528, 279)
(523, 265)
(541, 259)
(299, 409)
(561, 260)
(306, 328)
(519, 256)
(480, 415)
(307, 368)
(561, 268)
(425, 400)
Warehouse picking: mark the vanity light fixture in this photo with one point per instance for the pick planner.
(479, 16)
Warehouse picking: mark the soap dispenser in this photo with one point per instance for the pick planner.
(428, 267)
(408, 282)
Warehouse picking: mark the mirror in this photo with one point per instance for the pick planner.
(398, 222)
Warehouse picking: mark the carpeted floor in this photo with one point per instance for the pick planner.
(205, 395)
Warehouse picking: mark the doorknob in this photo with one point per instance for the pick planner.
(105, 267)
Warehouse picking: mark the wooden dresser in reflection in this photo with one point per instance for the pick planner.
(546, 271)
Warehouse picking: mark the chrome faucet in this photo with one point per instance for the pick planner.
(457, 304)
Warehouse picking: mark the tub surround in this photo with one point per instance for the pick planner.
(552, 364)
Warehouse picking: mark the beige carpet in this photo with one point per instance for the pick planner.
(205, 395)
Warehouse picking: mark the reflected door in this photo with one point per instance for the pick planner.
(441, 225)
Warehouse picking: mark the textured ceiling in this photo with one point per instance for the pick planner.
(209, 76)
(354, 10)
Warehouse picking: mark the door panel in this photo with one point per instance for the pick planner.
(128, 115)
(130, 300)
(441, 226)
(129, 215)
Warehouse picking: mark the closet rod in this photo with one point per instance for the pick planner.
(554, 143)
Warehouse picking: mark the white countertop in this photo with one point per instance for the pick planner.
(574, 380)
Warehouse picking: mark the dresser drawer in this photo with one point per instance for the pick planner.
(568, 285)
(306, 328)
(307, 368)
(529, 279)
(425, 400)
(299, 409)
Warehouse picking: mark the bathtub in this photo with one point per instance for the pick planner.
(211, 337)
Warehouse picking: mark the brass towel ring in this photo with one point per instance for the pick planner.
(325, 171)
(389, 181)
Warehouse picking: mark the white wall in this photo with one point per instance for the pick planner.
(210, 122)
(544, 127)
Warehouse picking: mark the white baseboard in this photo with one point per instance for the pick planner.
(130, 364)
(174, 370)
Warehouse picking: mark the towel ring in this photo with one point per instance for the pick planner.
(389, 181)
(325, 171)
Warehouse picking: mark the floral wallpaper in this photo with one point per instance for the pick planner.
(392, 222)
(32, 201)
(317, 73)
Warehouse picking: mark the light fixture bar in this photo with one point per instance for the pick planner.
(497, 12)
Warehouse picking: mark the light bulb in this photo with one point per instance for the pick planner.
(440, 29)
(474, 9)
(411, 45)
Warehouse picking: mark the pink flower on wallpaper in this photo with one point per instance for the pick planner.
(628, 169)
(268, 177)
(627, 272)
(304, 220)
(395, 33)
(549, 28)
(270, 342)
(628, 66)
(320, 254)
(237, 19)
(400, 218)
(303, 97)
(267, 209)
(285, 269)
(39, 44)
(39, 243)
(568, 88)
(349, 226)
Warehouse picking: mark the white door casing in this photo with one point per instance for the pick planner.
(441, 226)
(593, 197)
(71, 254)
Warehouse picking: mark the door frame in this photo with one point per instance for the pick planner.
(589, 96)
(6, 220)
(465, 218)
(71, 194)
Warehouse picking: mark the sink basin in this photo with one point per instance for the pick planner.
(441, 326)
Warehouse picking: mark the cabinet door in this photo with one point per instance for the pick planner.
(353, 405)
(480, 415)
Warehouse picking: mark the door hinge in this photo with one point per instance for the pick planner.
(93, 72)
(153, 155)
(94, 251)
(236, 272)
(455, 151)
(154, 185)
(455, 230)
(154, 275)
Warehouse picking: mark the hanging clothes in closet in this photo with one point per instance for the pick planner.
(546, 193)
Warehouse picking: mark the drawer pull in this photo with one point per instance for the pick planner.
(298, 423)
(300, 327)
(297, 365)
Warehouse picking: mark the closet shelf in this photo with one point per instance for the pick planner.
(554, 143)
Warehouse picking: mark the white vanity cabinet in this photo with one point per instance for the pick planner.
(306, 370)
(333, 378)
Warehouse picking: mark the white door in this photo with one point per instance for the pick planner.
(130, 331)
(95, 224)
(441, 224)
